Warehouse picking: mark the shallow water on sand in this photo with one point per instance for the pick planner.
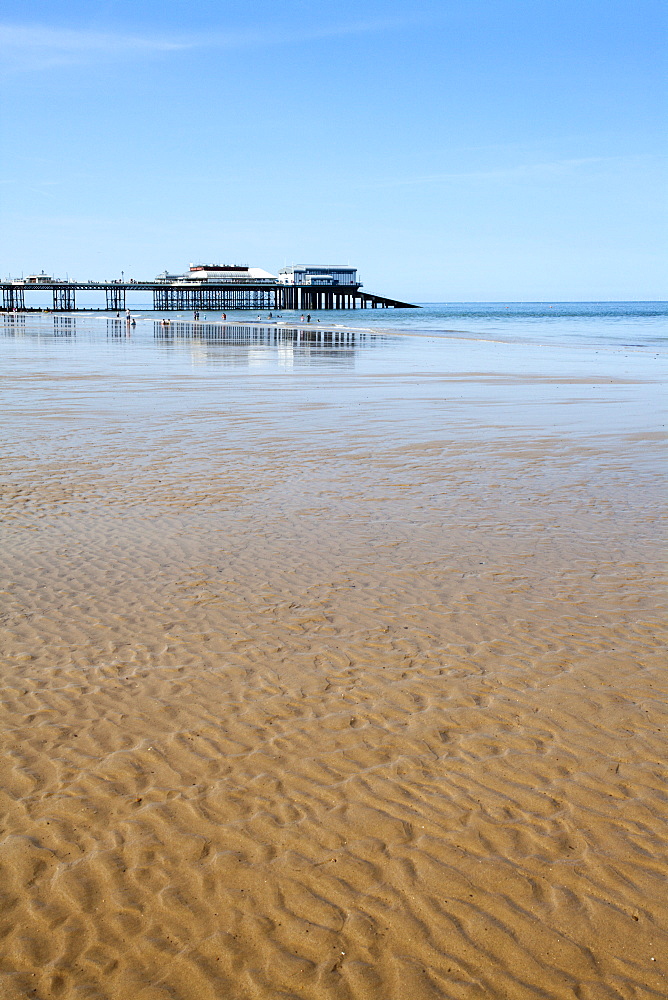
(332, 664)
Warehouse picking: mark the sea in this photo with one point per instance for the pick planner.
(633, 325)
(625, 324)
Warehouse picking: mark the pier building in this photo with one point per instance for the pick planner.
(222, 274)
(222, 287)
(39, 279)
(318, 274)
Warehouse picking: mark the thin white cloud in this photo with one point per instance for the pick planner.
(296, 34)
(523, 171)
(38, 47)
(41, 47)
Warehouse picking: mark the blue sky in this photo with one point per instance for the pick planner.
(452, 150)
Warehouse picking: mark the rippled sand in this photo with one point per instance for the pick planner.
(310, 692)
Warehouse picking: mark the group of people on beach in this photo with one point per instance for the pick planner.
(130, 321)
(302, 318)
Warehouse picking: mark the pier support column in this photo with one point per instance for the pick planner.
(13, 298)
(115, 298)
(64, 299)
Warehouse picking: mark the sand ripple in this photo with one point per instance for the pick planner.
(357, 724)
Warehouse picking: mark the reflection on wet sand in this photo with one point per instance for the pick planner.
(256, 332)
(296, 346)
(21, 323)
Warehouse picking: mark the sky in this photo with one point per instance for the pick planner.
(459, 150)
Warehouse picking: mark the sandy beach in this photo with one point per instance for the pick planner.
(330, 672)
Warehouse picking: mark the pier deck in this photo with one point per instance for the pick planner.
(181, 296)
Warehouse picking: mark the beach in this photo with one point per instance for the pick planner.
(333, 663)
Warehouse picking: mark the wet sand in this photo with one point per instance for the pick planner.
(328, 682)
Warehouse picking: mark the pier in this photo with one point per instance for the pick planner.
(234, 288)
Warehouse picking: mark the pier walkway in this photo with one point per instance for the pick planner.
(193, 295)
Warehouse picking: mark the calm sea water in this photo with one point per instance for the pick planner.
(573, 319)
(589, 323)
(642, 324)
